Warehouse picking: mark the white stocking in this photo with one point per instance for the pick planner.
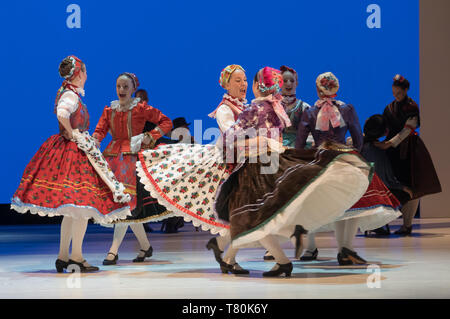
(65, 238)
(351, 228)
(230, 255)
(141, 235)
(78, 230)
(120, 230)
(223, 241)
(273, 246)
(339, 231)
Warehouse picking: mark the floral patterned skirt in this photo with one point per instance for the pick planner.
(60, 181)
(184, 178)
(144, 208)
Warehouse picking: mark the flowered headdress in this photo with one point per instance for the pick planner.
(328, 84)
(270, 80)
(226, 73)
(74, 71)
(133, 78)
(76, 67)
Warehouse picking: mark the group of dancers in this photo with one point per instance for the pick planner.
(321, 183)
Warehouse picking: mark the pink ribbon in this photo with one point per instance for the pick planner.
(279, 110)
(328, 113)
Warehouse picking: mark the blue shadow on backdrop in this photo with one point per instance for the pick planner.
(178, 48)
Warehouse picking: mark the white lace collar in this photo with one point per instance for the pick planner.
(241, 103)
(115, 105)
(80, 91)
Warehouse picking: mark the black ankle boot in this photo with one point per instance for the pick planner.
(61, 265)
(108, 262)
(147, 253)
(234, 269)
(282, 269)
(212, 244)
(82, 267)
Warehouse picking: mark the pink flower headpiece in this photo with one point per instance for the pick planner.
(270, 80)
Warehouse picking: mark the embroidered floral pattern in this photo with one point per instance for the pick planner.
(186, 180)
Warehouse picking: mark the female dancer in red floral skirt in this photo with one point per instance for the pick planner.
(68, 176)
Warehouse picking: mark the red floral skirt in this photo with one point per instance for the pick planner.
(59, 180)
(124, 168)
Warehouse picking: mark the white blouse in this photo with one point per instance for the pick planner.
(224, 117)
(68, 103)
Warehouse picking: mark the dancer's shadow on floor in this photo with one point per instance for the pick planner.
(348, 276)
(104, 270)
(394, 236)
(331, 263)
(147, 262)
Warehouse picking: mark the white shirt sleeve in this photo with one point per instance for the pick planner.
(404, 133)
(68, 103)
(224, 117)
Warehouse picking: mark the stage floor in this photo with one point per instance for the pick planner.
(181, 267)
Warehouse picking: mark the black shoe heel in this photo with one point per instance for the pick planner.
(298, 235)
(224, 267)
(212, 244)
(227, 268)
(61, 265)
(285, 269)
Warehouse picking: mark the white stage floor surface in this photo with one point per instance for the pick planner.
(181, 267)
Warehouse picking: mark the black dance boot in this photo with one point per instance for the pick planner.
(282, 269)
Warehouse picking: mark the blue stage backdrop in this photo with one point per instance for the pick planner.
(177, 48)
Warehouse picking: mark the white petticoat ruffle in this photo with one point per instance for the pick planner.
(69, 210)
